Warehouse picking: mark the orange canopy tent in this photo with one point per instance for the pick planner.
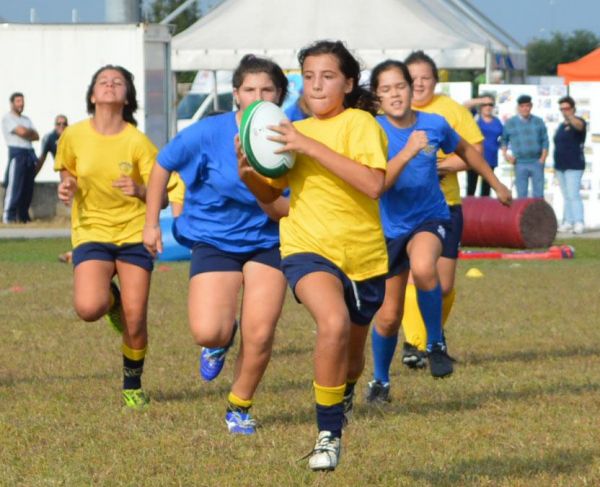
(586, 68)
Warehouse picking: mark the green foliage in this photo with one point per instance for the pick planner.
(543, 55)
(521, 409)
(159, 9)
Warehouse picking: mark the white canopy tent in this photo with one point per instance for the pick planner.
(453, 32)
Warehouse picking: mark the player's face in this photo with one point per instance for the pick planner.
(524, 109)
(325, 86)
(110, 88)
(394, 94)
(18, 104)
(423, 83)
(256, 86)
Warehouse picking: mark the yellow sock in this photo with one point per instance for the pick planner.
(447, 303)
(238, 401)
(413, 325)
(133, 354)
(329, 396)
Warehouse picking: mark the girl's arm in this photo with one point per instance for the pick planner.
(454, 163)
(264, 192)
(475, 161)
(155, 197)
(278, 209)
(365, 179)
(415, 143)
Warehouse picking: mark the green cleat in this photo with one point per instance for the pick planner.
(136, 399)
(114, 313)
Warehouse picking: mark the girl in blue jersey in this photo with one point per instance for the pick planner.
(234, 243)
(415, 217)
(332, 245)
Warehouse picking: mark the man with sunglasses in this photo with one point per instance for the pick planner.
(50, 141)
(491, 128)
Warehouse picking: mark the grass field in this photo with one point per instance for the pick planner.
(522, 409)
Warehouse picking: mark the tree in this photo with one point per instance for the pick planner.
(159, 9)
(543, 55)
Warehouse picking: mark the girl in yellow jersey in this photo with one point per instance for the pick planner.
(332, 245)
(104, 164)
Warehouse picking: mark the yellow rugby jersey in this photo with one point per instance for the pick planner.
(175, 189)
(101, 213)
(328, 216)
(462, 121)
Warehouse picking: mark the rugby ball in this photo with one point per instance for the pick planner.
(254, 137)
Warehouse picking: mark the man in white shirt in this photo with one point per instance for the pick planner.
(19, 133)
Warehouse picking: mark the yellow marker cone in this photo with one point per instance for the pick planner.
(474, 272)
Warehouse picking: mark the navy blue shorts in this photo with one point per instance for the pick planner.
(396, 247)
(363, 298)
(135, 254)
(206, 258)
(452, 242)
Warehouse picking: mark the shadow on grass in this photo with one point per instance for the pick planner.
(291, 350)
(497, 469)
(530, 355)
(11, 381)
(221, 389)
(474, 401)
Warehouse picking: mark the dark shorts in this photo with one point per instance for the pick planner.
(396, 247)
(363, 298)
(206, 258)
(135, 254)
(451, 243)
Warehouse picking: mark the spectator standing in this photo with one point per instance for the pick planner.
(19, 133)
(491, 128)
(50, 141)
(569, 164)
(528, 139)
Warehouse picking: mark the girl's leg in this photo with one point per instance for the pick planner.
(212, 305)
(323, 295)
(384, 337)
(424, 250)
(135, 287)
(264, 292)
(91, 288)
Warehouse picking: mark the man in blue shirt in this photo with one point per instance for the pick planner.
(527, 137)
(50, 141)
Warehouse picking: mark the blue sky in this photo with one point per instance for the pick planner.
(523, 19)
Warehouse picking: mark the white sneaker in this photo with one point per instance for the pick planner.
(578, 228)
(326, 454)
(565, 227)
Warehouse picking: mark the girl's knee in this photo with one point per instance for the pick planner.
(90, 311)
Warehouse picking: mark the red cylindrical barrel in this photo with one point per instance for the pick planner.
(528, 223)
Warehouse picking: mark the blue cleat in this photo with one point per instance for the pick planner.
(240, 422)
(212, 360)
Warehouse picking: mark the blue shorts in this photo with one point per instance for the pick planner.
(135, 254)
(396, 247)
(206, 258)
(363, 298)
(451, 243)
